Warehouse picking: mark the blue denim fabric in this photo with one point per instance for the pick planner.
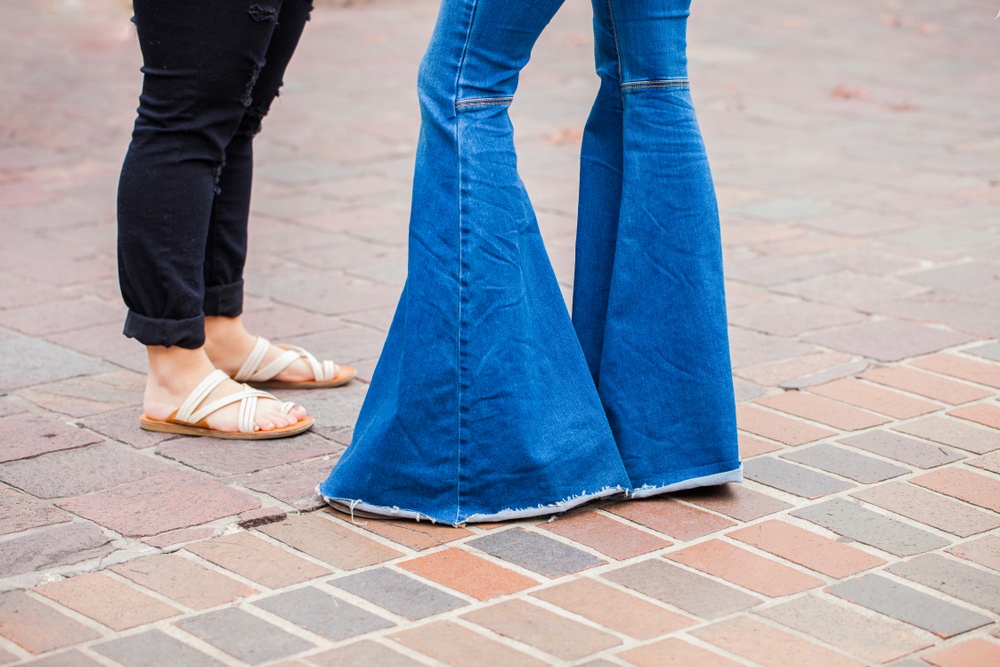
(483, 406)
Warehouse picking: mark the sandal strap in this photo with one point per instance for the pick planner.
(250, 371)
(284, 360)
(199, 394)
(323, 371)
(253, 360)
(248, 407)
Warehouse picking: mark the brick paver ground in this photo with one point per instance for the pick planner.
(855, 146)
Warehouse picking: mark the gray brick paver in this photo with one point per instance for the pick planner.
(967, 583)
(843, 462)
(400, 594)
(322, 612)
(534, 552)
(885, 596)
(863, 525)
(906, 450)
(244, 636)
(792, 478)
(154, 648)
(682, 588)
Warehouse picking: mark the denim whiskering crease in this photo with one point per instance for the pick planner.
(489, 402)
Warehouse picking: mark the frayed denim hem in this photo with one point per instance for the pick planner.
(706, 480)
(355, 507)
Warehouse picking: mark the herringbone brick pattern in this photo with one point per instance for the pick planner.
(855, 150)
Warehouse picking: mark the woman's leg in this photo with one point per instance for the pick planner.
(649, 303)
(228, 343)
(199, 57)
(481, 406)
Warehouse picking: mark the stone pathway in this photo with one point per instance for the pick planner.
(855, 146)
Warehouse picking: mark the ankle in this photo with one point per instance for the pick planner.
(174, 368)
(226, 336)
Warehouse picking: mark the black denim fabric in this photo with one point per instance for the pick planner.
(211, 69)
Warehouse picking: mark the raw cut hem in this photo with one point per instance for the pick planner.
(707, 480)
(356, 507)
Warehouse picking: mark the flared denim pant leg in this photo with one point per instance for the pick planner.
(482, 406)
(648, 299)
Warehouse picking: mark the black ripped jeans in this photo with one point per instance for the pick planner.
(211, 69)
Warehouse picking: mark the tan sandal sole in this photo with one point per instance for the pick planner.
(160, 426)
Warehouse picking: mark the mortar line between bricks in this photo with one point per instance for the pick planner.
(179, 606)
(533, 651)
(802, 569)
(785, 495)
(952, 448)
(939, 595)
(209, 565)
(945, 376)
(919, 633)
(405, 650)
(964, 503)
(731, 584)
(91, 623)
(966, 464)
(805, 524)
(780, 494)
(396, 567)
(735, 657)
(845, 495)
(171, 630)
(913, 469)
(627, 641)
(807, 637)
(284, 624)
(909, 394)
(368, 605)
(809, 422)
(86, 651)
(15, 649)
(940, 406)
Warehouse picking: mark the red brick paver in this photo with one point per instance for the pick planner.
(469, 574)
(107, 601)
(859, 212)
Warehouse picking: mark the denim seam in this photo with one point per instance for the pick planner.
(461, 260)
(483, 102)
(618, 55)
(660, 83)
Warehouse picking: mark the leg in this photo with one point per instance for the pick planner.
(649, 303)
(481, 406)
(228, 343)
(199, 59)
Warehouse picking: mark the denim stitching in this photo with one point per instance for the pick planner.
(461, 260)
(661, 83)
(483, 102)
(614, 36)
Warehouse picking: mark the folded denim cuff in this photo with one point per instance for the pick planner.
(188, 333)
(224, 300)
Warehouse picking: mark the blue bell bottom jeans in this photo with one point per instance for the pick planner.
(489, 402)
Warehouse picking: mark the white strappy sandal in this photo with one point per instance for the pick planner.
(325, 373)
(190, 420)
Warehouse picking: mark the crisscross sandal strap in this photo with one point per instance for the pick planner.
(248, 407)
(252, 371)
(323, 371)
(253, 360)
(199, 394)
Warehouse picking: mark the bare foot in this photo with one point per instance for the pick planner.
(174, 372)
(228, 344)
